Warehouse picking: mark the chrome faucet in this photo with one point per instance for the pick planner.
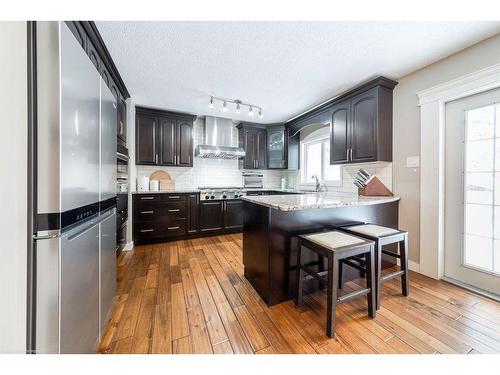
(318, 185)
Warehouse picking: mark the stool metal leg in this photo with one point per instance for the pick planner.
(403, 253)
(370, 282)
(378, 272)
(300, 276)
(341, 280)
(333, 269)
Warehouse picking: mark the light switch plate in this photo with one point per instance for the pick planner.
(413, 161)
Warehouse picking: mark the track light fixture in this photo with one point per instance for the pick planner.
(237, 108)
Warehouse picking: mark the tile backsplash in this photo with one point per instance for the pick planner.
(219, 172)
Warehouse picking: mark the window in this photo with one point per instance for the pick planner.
(316, 161)
(482, 189)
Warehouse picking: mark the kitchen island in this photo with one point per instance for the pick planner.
(272, 223)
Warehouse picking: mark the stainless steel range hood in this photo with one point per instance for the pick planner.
(219, 140)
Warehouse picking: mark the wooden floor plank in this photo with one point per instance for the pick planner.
(191, 296)
(144, 327)
(214, 324)
(182, 346)
(161, 342)
(180, 323)
(198, 331)
(223, 348)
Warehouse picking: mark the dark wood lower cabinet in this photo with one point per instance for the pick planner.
(161, 217)
(233, 214)
(211, 216)
(193, 207)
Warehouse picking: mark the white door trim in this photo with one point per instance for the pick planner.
(432, 121)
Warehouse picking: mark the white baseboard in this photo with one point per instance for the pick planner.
(128, 246)
(413, 266)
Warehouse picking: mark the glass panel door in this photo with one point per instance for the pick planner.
(472, 191)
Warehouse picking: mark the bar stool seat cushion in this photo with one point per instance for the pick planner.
(373, 230)
(334, 239)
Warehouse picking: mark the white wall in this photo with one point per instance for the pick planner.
(407, 126)
(13, 183)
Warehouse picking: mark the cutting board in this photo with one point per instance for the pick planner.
(166, 181)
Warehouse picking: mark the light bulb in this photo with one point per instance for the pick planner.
(224, 107)
(211, 104)
(250, 111)
(260, 113)
(237, 110)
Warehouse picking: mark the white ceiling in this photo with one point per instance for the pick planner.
(285, 67)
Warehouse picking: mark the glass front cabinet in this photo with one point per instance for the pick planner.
(276, 148)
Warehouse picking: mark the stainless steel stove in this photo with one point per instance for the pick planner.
(221, 192)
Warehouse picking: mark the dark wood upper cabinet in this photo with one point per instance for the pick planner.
(261, 149)
(361, 128)
(173, 138)
(184, 143)
(146, 139)
(166, 143)
(249, 147)
(253, 139)
(364, 127)
(339, 131)
(360, 122)
(211, 216)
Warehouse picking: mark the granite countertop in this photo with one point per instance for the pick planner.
(315, 200)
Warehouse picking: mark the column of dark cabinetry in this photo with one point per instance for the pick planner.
(171, 141)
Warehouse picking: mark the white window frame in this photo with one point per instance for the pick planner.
(303, 171)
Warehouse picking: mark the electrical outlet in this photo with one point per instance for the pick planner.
(413, 161)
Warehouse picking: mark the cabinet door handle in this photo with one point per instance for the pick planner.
(147, 212)
(147, 230)
(347, 154)
(173, 196)
(174, 210)
(156, 159)
(173, 228)
(351, 154)
(147, 198)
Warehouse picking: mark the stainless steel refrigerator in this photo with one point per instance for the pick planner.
(74, 262)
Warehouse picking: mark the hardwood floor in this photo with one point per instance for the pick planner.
(191, 297)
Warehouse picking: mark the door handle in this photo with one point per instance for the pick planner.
(174, 210)
(147, 212)
(156, 158)
(147, 230)
(351, 154)
(173, 196)
(347, 154)
(173, 228)
(147, 198)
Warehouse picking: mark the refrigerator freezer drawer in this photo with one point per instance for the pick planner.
(80, 291)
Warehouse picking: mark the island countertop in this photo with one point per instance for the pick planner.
(293, 202)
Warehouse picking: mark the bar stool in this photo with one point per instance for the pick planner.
(382, 236)
(336, 246)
